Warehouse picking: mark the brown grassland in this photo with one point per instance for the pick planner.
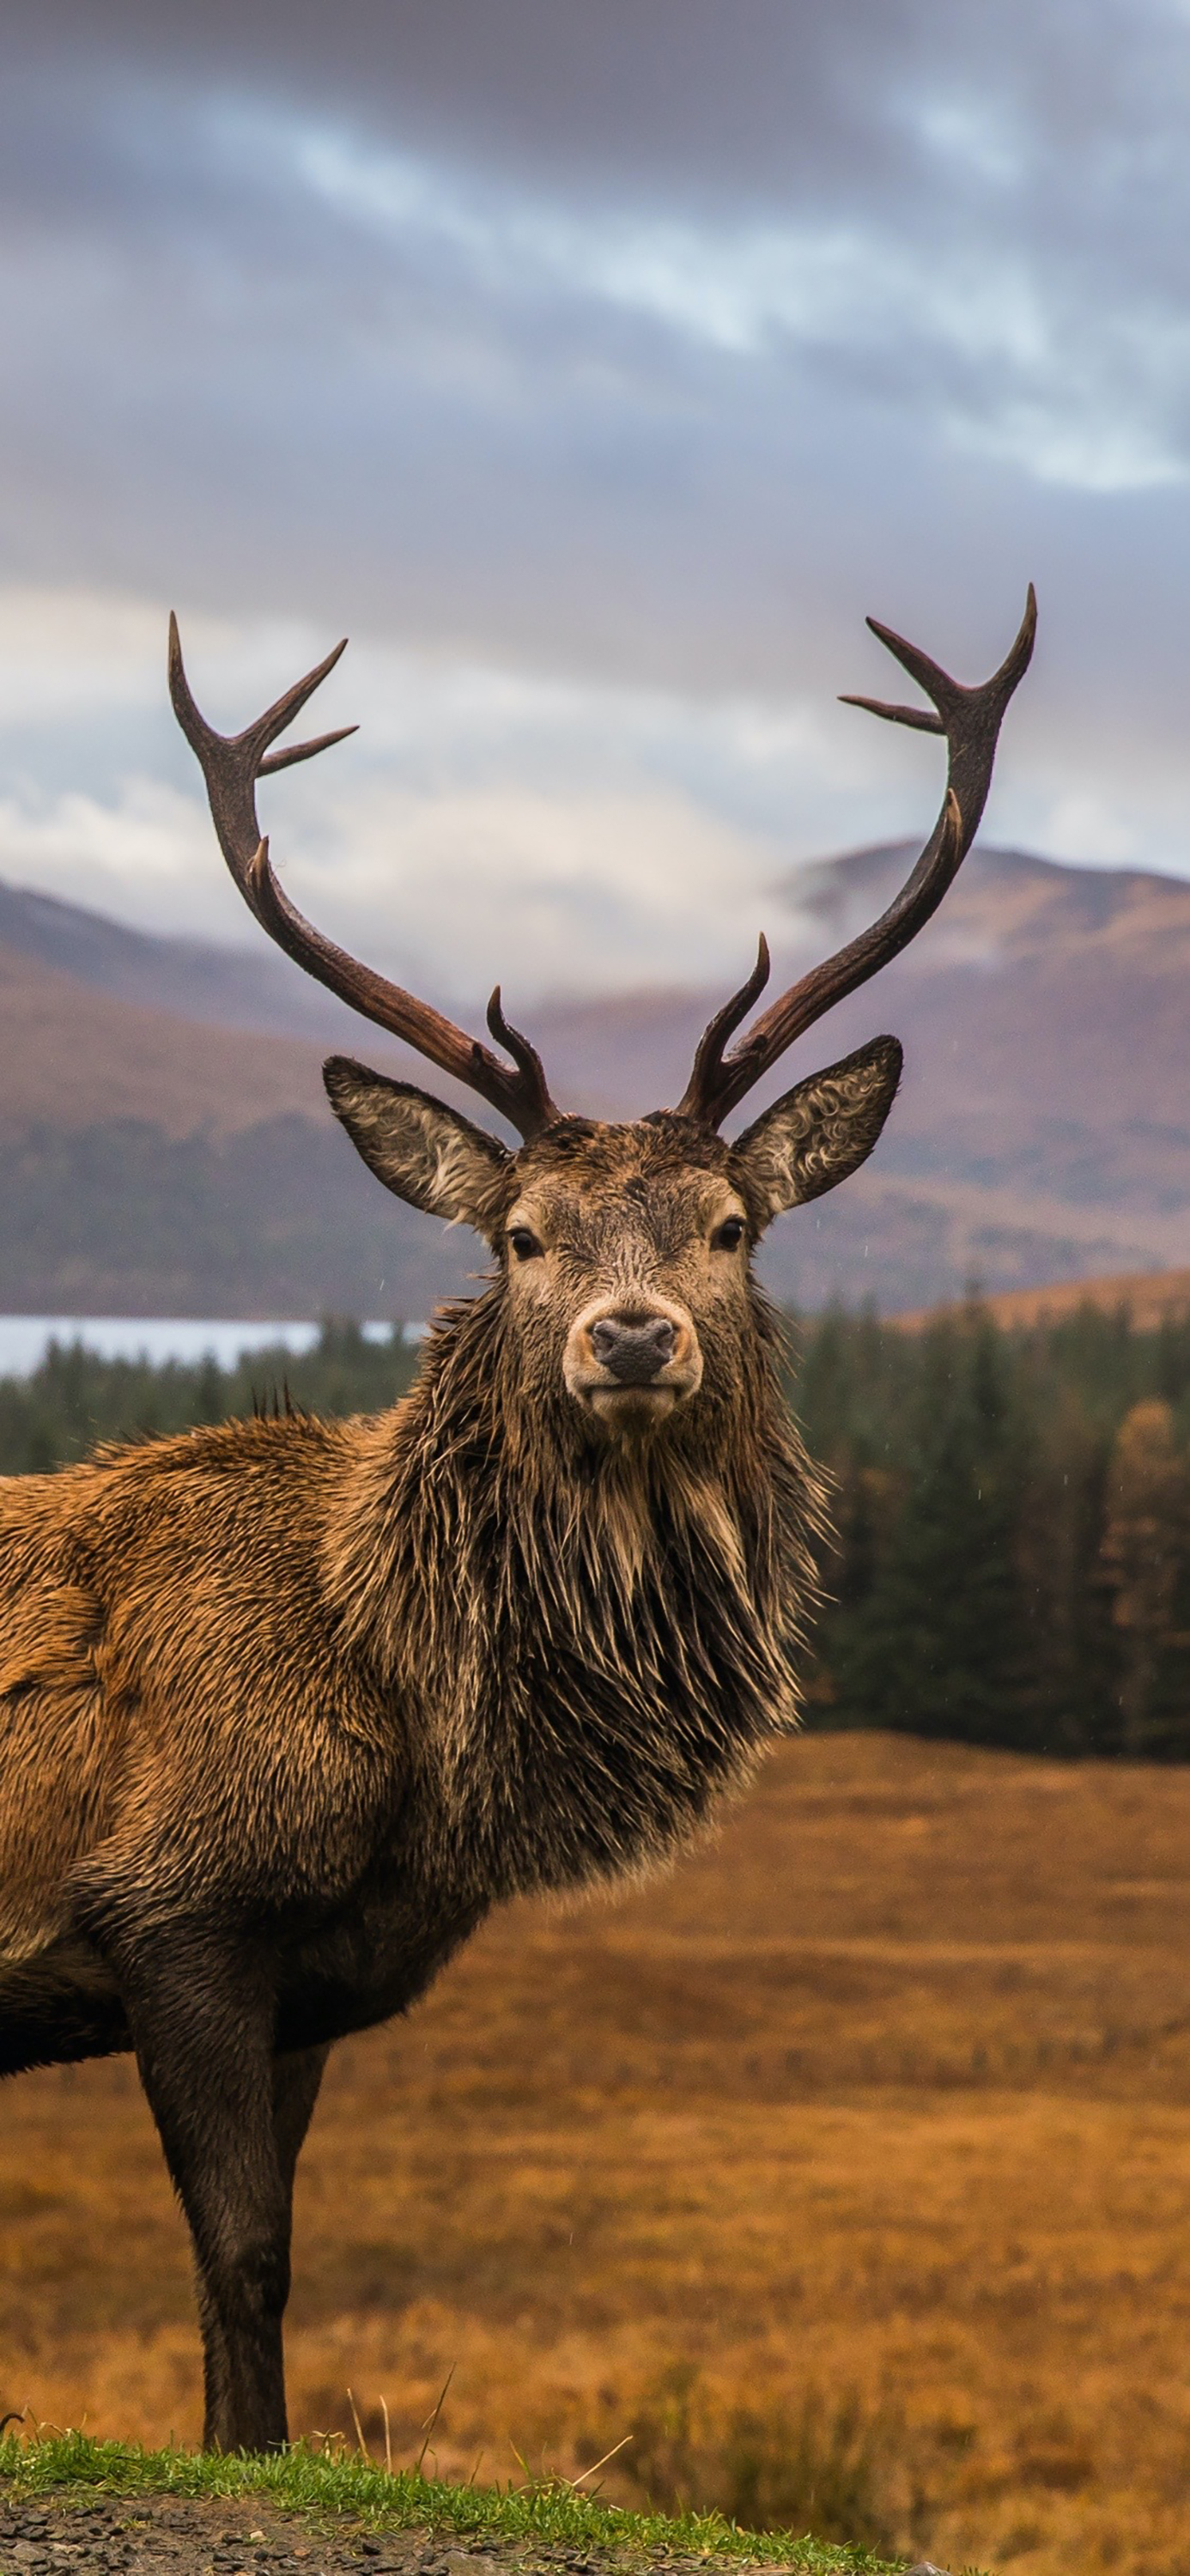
(851, 2162)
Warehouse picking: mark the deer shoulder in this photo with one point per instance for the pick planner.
(170, 1657)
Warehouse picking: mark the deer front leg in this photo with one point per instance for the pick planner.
(296, 2077)
(231, 2119)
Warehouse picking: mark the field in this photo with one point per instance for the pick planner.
(847, 2172)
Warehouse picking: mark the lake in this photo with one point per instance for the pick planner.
(25, 1338)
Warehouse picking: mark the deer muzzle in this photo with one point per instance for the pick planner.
(633, 1363)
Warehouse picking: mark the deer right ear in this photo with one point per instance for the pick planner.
(424, 1152)
(821, 1131)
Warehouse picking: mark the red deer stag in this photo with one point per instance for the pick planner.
(288, 1705)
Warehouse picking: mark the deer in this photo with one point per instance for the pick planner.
(288, 1705)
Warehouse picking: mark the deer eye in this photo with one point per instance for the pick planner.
(525, 1245)
(728, 1236)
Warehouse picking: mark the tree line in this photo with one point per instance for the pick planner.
(75, 1399)
(1011, 1559)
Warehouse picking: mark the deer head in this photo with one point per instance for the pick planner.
(624, 1251)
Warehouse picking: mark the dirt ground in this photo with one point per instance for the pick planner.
(162, 2536)
(854, 2157)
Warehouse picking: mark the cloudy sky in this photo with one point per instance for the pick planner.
(596, 369)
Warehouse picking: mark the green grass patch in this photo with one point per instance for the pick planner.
(542, 2512)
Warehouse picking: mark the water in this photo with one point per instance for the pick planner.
(25, 1338)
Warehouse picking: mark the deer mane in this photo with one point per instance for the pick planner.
(586, 1648)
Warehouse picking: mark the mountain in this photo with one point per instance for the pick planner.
(232, 988)
(1043, 1130)
(164, 1145)
(156, 1164)
(71, 1056)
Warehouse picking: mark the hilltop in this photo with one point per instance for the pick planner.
(1148, 1297)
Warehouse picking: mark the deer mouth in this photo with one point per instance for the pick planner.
(633, 1416)
(632, 1404)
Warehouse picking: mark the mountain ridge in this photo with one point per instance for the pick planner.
(1042, 1132)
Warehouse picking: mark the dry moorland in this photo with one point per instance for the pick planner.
(854, 2158)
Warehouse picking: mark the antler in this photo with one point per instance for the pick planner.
(970, 719)
(231, 765)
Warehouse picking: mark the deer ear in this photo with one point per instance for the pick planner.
(821, 1131)
(426, 1153)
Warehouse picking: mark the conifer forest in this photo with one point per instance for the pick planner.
(1012, 1514)
(1011, 1558)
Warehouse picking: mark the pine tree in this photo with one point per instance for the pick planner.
(1145, 1559)
(938, 1648)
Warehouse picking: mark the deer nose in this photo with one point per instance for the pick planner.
(634, 1350)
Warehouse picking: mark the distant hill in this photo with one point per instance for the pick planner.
(232, 988)
(152, 1163)
(164, 1145)
(1149, 1298)
(70, 1055)
(1043, 1130)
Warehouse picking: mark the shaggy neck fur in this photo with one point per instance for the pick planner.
(588, 1641)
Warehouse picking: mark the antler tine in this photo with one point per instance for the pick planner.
(524, 1055)
(709, 1054)
(231, 765)
(295, 751)
(970, 720)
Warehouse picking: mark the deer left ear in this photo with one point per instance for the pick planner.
(821, 1131)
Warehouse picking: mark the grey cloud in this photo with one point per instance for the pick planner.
(656, 341)
(681, 97)
(659, 95)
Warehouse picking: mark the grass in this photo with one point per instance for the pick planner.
(303, 2480)
(846, 2173)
